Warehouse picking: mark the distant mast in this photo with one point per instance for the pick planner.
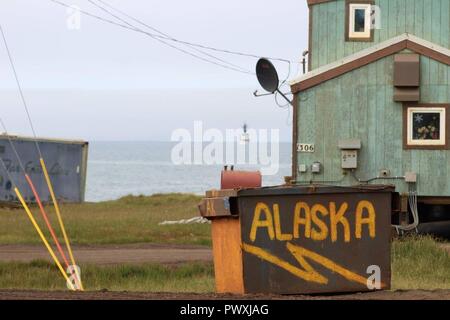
(245, 136)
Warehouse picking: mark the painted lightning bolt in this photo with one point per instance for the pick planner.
(306, 272)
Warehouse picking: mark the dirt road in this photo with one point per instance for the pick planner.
(107, 295)
(112, 254)
(118, 254)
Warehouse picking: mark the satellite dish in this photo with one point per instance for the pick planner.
(267, 75)
(268, 79)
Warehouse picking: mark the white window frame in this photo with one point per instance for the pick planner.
(366, 34)
(442, 123)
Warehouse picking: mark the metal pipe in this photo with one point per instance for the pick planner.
(304, 54)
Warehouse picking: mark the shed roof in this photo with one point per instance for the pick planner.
(369, 55)
(4, 136)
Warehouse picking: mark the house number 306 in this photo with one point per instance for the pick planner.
(305, 147)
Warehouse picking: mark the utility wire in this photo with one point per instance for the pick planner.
(154, 36)
(283, 106)
(44, 168)
(155, 30)
(134, 28)
(169, 38)
(11, 61)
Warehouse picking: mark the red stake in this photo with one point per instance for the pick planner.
(47, 222)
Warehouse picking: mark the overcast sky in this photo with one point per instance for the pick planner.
(102, 82)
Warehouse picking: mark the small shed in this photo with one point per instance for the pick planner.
(66, 161)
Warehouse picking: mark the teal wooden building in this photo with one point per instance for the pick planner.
(374, 106)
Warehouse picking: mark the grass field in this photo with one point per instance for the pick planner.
(132, 219)
(41, 275)
(417, 262)
(420, 263)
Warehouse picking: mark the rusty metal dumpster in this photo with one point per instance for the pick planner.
(300, 239)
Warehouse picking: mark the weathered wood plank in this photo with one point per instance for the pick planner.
(331, 33)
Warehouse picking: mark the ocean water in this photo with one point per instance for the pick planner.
(116, 169)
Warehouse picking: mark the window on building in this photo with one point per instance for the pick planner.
(359, 20)
(426, 126)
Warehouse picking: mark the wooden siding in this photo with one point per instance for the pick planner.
(359, 104)
(426, 19)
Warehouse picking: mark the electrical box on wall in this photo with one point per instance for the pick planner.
(349, 153)
(302, 168)
(316, 167)
(349, 159)
(410, 177)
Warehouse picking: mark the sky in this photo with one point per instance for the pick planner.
(97, 81)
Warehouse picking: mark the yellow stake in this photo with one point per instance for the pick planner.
(61, 223)
(36, 226)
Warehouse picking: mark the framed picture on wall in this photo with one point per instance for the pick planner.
(425, 126)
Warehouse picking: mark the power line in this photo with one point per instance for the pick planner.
(11, 61)
(154, 36)
(169, 38)
(189, 44)
(156, 30)
(30, 182)
(133, 28)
